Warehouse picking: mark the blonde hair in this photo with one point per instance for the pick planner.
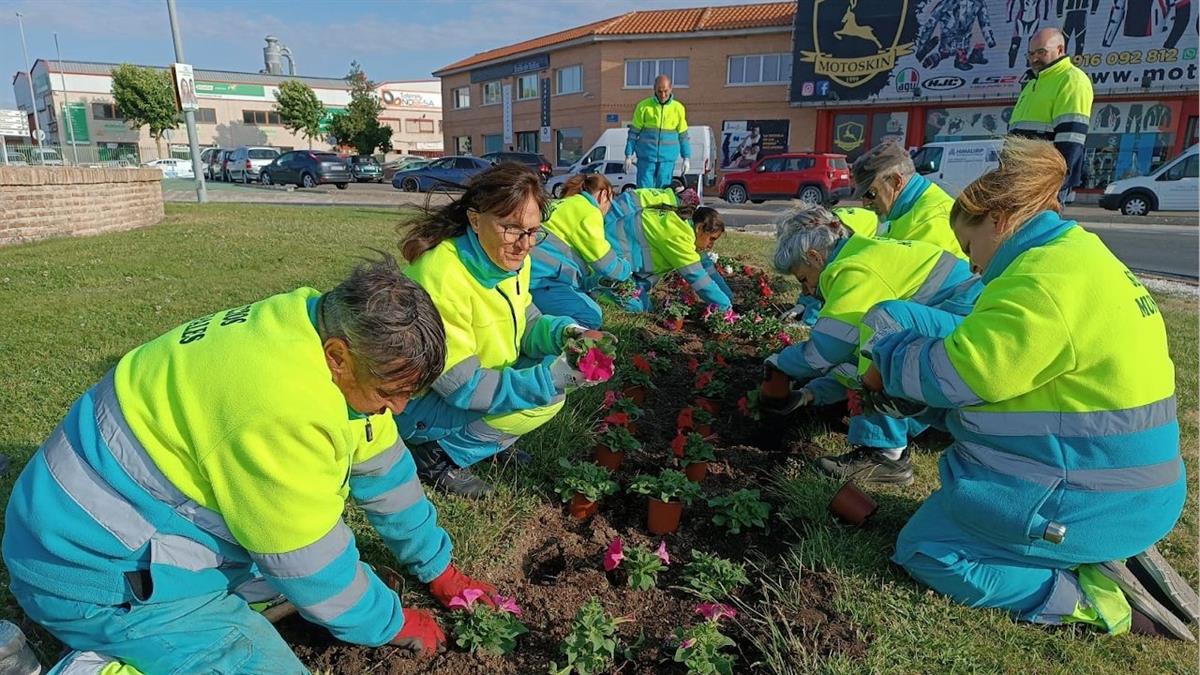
(1026, 183)
(594, 184)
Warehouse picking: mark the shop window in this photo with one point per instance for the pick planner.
(570, 146)
(462, 145)
(1127, 140)
(527, 87)
(206, 116)
(462, 97)
(569, 79)
(493, 143)
(106, 111)
(641, 73)
(261, 117)
(527, 141)
(491, 92)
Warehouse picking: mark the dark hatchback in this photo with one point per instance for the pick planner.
(530, 159)
(307, 168)
(365, 168)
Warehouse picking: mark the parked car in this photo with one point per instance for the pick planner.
(220, 167)
(365, 168)
(613, 171)
(307, 168)
(1175, 186)
(245, 162)
(45, 156)
(15, 158)
(611, 146)
(403, 163)
(817, 178)
(442, 173)
(530, 159)
(172, 168)
(208, 158)
(953, 165)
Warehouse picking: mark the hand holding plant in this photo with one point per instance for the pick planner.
(591, 353)
(486, 629)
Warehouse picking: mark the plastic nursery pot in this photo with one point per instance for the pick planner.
(663, 517)
(852, 505)
(696, 471)
(711, 405)
(776, 387)
(609, 459)
(674, 325)
(581, 508)
(704, 430)
(637, 394)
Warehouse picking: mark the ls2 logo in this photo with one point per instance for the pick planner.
(943, 83)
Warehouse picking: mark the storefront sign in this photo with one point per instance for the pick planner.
(78, 129)
(409, 99)
(545, 93)
(855, 51)
(224, 89)
(743, 142)
(506, 97)
(530, 64)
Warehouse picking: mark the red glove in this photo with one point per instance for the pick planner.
(421, 633)
(452, 582)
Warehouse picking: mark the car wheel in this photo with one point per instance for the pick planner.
(556, 191)
(308, 181)
(1136, 204)
(342, 186)
(736, 194)
(264, 178)
(410, 185)
(812, 194)
(379, 180)
(629, 187)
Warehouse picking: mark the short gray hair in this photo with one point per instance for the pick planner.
(810, 227)
(389, 323)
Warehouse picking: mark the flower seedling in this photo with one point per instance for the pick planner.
(673, 313)
(622, 412)
(696, 449)
(668, 486)
(715, 611)
(641, 565)
(586, 479)
(718, 321)
(592, 642)
(617, 438)
(750, 405)
(740, 510)
(592, 356)
(693, 419)
(486, 629)
(708, 385)
(626, 290)
(700, 649)
(662, 344)
(712, 577)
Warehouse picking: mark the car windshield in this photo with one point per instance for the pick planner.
(262, 153)
(928, 159)
(443, 163)
(366, 160)
(326, 156)
(839, 163)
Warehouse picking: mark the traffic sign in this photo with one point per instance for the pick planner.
(14, 123)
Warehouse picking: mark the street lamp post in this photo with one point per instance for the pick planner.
(32, 101)
(66, 102)
(189, 116)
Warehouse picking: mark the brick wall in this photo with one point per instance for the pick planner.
(42, 202)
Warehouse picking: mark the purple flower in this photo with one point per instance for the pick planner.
(614, 555)
(507, 604)
(687, 644)
(661, 552)
(466, 599)
(715, 611)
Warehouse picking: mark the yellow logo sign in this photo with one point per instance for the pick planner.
(853, 71)
(849, 136)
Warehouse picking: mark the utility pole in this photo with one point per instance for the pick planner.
(189, 116)
(32, 101)
(66, 102)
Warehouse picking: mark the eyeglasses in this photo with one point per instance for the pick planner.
(512, 234)
(870, 195)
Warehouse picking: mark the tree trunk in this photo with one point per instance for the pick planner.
(158, 146)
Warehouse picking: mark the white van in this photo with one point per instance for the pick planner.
(611, 146)
(954, 165)
(1174, 186)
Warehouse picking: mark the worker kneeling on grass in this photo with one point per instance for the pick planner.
(1060, 395)
(505, 372)
(209, 470)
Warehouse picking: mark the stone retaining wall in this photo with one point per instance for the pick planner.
(43, 202)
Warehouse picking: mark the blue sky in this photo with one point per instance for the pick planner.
(394, 40)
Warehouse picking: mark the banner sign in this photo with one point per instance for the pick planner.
(905, 51)
(745, 141)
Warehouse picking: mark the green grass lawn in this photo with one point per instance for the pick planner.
(72, 307)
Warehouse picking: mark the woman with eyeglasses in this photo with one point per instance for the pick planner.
(574, 249)
(1060, 394)
(505, 374)
(662, 231)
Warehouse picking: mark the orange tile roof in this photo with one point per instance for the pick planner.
(731, 17)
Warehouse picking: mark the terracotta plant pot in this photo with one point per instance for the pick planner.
(637, 394)
(852, 505)
(696, 471)
(674, 325)
(776, 388)
(581, 508)
(704, 430)
(711, 405)
(663, 517)
(609, 459)
(632, 427)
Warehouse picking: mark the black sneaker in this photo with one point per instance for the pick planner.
(512, 454)
(868, 465)
(436, 470)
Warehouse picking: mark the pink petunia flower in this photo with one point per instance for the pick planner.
(715, 611)
(614, 555)
(708, 311)
(730, 316)
(595, 365)
(507, 604)
(687, 644)
(610, 398)
(661, 552)
(784, 338)
(466, 599)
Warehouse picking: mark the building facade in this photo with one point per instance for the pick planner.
(952, 69)
(556, 94)
(235, 109)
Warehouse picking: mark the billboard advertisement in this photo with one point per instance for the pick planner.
(907, 51)
(745, 141)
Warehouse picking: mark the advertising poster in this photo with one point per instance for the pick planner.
(745, 141)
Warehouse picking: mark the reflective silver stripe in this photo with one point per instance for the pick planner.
(327, 610)
(532, 314)
(693, 268)
(1072, 117)
(485, 390)
(1027, 125)
(948, 380)
(132, 457)
(380, 464)
(836, 329)
(453, 379)
(1116, 479)
(639, 235)
(83, 663)
(937, 277)
(814, 359)
(1070, 137)
(395, 500)
(257, 589)
(306, 560)
(486, 433)
(182, 552)
(606, 261)
(1065, 596)
(564, 249)
(1071, 424)
(882, 325)
(910, 372)
(96, 497)
(847, 370)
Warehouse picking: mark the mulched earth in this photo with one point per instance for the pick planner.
(555, 565)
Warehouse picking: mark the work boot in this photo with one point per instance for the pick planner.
(514, 455)
(1164, 621)
(868, 465)
(438, 471)
(1165, 584)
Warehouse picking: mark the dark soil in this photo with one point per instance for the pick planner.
(555, 564)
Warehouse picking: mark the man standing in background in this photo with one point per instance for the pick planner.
(658, 137)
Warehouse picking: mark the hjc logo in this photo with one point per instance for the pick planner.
(943, 83)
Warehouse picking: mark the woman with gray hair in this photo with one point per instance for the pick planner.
(850, 274)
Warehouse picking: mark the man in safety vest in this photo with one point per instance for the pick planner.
(658, 136)
(1055, 104)
(909, 206)
(208, 472)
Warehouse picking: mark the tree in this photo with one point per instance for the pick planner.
(300, 109)
(359, 125)
(146, 97)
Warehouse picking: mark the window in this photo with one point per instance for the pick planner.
(462, 97)
(642, 73)
(465, 163)
(261, 117)
(928, 160)
(418, 126)
(462, 145)
(527, 141)
(569, 79)
(106, 111)
(206, 116)
(760, 69)
(493, 143)
(800, 163)
(491, 92)
(1187, 168)
(527, 87)
(570, 146)
(774, 165)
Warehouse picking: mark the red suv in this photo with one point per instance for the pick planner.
(809, 176)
